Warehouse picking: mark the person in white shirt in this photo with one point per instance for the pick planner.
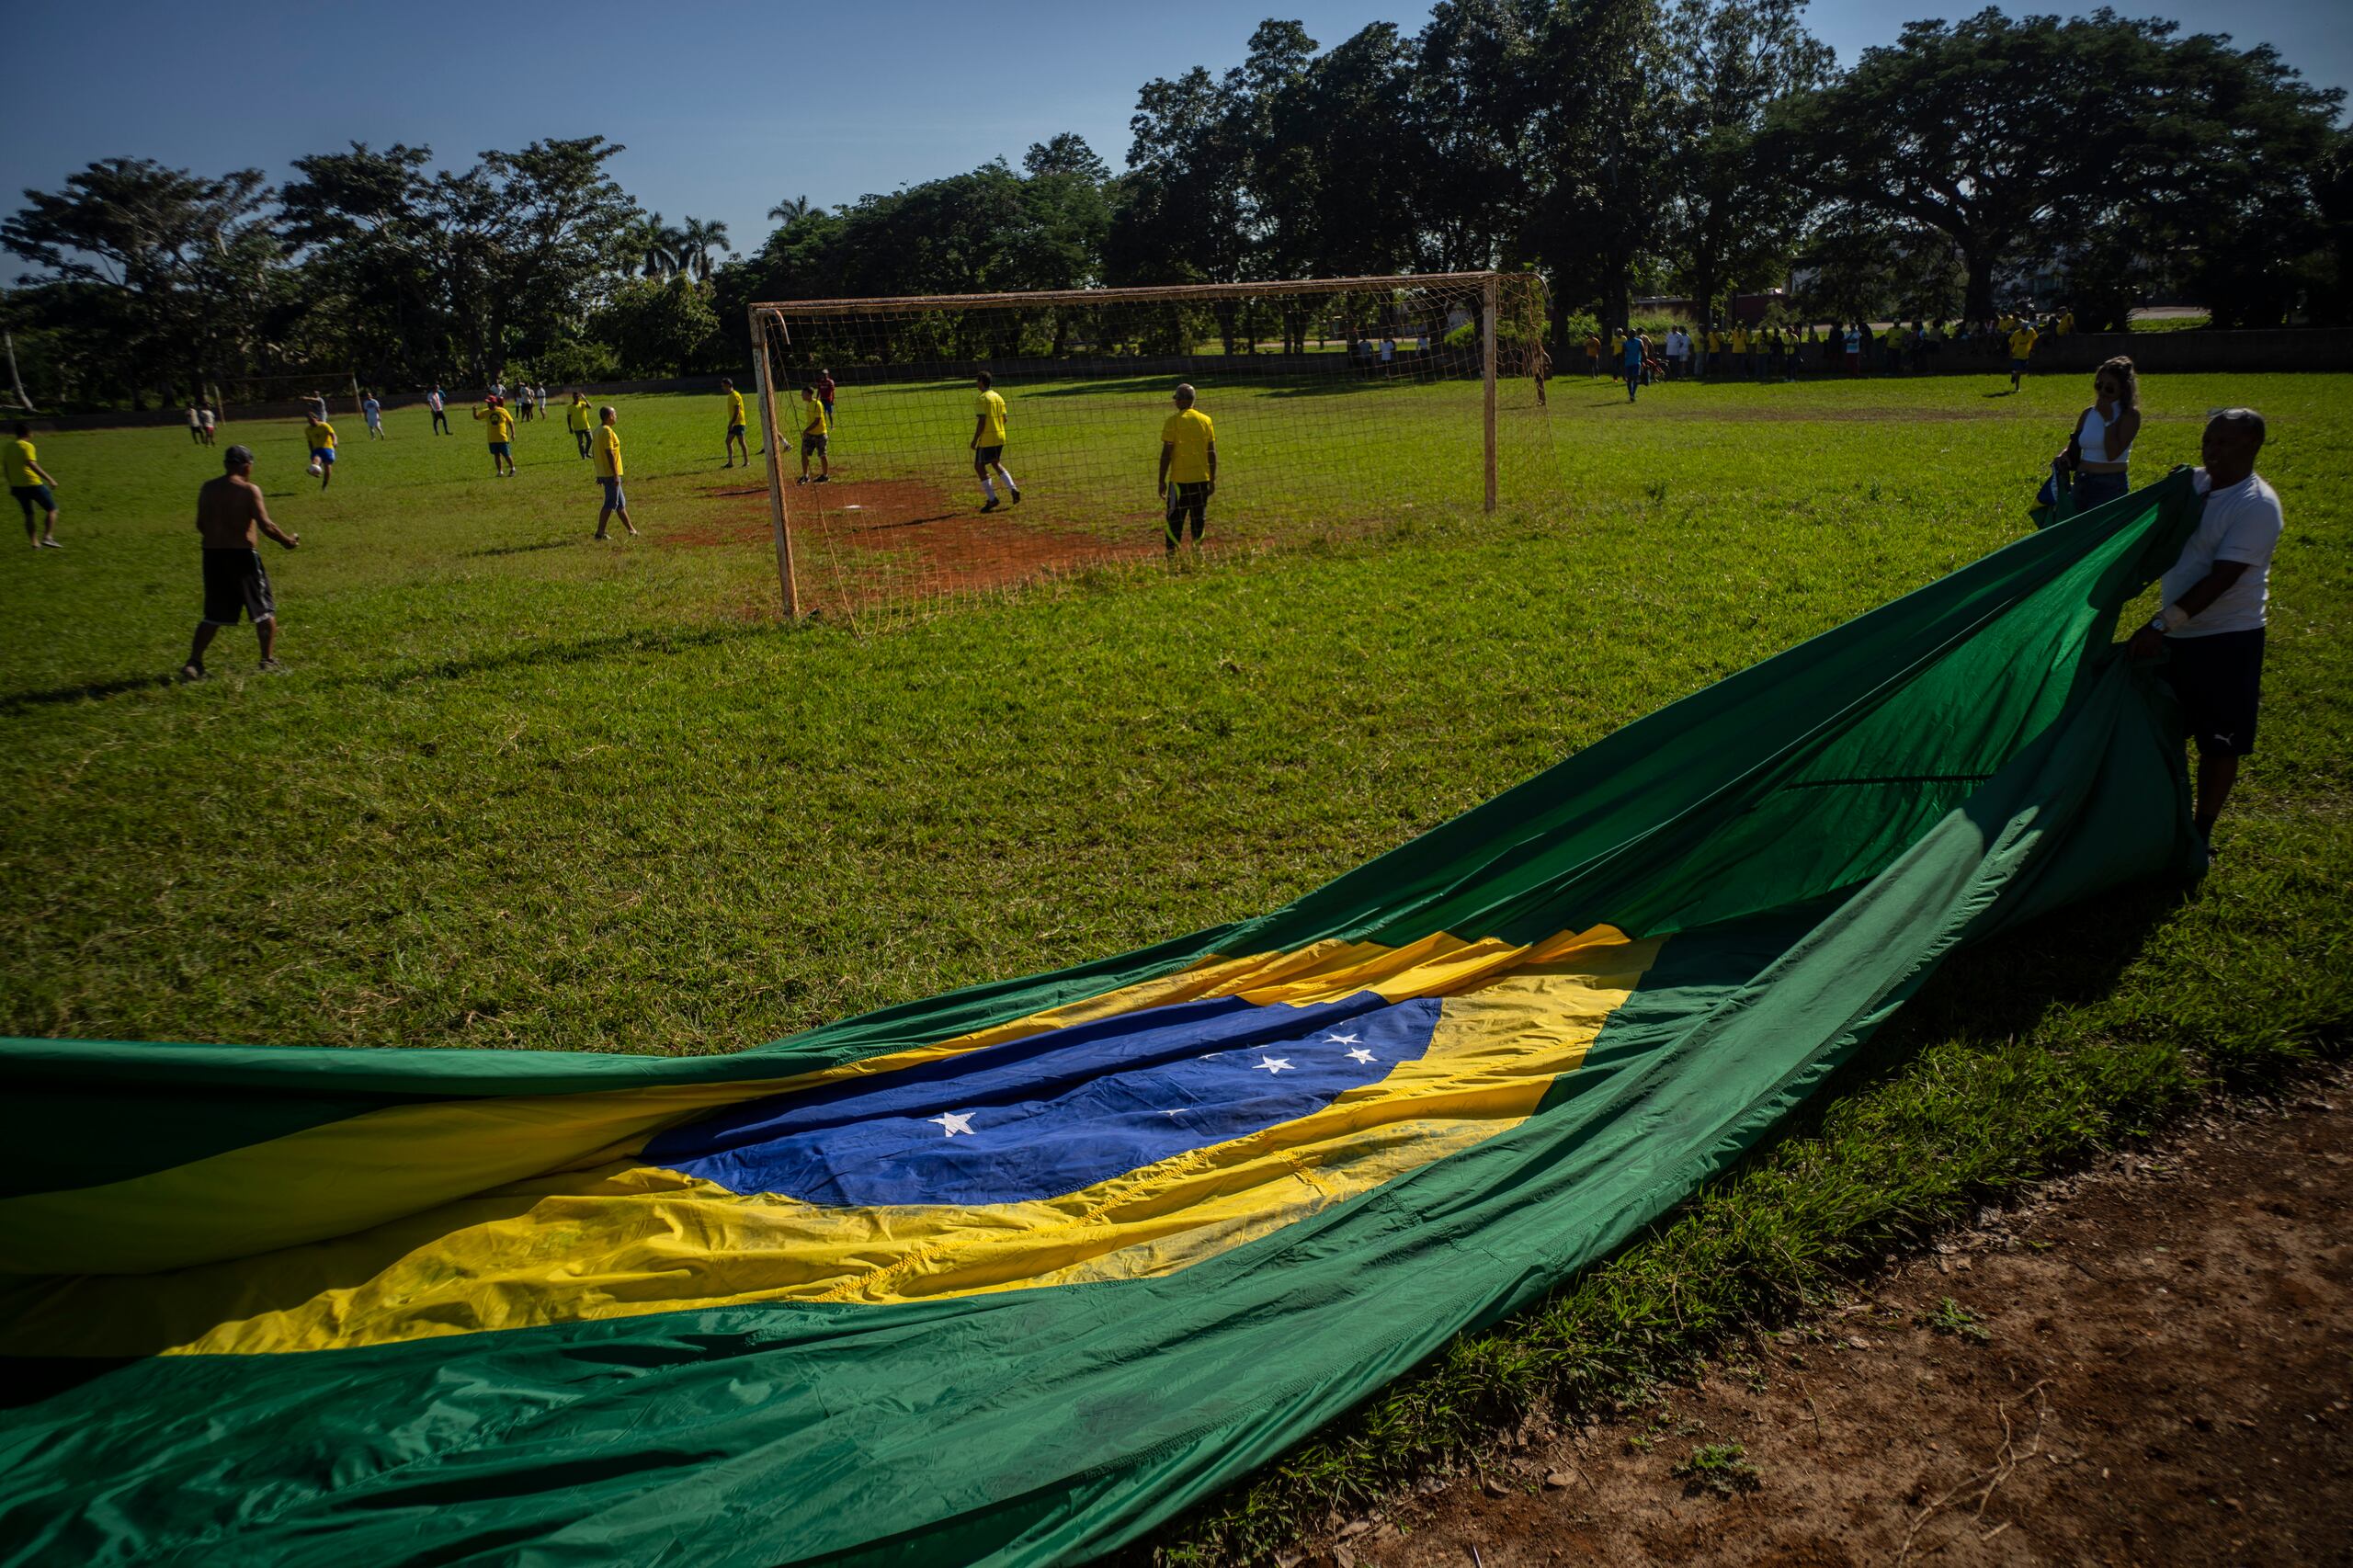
(2210, 628)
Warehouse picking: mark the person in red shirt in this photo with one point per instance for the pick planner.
(825, 395)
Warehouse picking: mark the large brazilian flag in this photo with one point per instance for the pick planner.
(1014, 1274)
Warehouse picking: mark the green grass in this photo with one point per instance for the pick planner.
(2170, 323)
(523, 790)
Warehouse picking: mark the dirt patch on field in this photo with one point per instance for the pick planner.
(2151, 1364)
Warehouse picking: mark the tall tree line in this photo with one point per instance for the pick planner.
(1694, 148)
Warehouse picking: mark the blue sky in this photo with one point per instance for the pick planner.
(724, 109)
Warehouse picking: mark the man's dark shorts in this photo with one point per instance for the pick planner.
(987, 455)
(813, 446)
(1188, 500)
(234, 583)
(735, 432)
(32, 497)
(502, 450)
(2219, 682)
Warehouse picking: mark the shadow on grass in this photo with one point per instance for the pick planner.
(523, 548)
(586, 650)
(90, 691)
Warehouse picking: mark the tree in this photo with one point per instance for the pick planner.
(1602, 142)
(181, 262)
(793, 209)
(1729, 220)
(658, 326)
(1067, 153)
(696, 242)
(367, 223)
(2007, 135)
(1467, 148)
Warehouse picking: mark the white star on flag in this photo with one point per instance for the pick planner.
(952, 1123)
(1359, 1054)
(1339, 1039)
(1273, 1064)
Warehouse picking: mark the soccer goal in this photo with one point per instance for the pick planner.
(1338, 407)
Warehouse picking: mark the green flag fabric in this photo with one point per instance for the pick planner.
(1013, 1275)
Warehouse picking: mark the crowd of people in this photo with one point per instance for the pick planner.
(1772, 351)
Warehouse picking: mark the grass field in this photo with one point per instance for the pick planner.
(519, 790)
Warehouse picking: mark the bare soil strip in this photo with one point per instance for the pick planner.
(2150, 1363)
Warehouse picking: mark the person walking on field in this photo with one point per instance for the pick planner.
(194, 426)
(814, 427)
(2216, 599)
(735, 424)
(988, 443)
(492, 413)
(1187, 469)
(433, 400)
(206, 417)
(577, 417)
(2099, 453)
(1636, 348)
(373, 412)
(608, 473)
(825, 395)
(31, 485)
(228, 511)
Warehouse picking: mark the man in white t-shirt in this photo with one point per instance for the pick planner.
(2210, 628)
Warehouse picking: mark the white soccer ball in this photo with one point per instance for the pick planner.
(315, 469)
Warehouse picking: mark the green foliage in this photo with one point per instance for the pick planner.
(1721, 1468)
(1951, 1318)
(658, 328)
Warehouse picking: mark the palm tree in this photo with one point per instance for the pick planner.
(792, 208)
(655, 247)
(695, 243)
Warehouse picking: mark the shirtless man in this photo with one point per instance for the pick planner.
(229, 514)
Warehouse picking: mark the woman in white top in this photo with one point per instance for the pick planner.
(2100, 454)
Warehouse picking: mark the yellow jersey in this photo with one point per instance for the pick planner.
(577, 417)
(501, 422)
(19, 459)
(735, 408)
(1715, 342)
(609, 452)
(321, 436)
(991, 409)
(2022, 343)
(813, 419)
(1617, 345)
(1740, 340)
(1191, 434)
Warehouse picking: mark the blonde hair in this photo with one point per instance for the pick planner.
(2122, 368)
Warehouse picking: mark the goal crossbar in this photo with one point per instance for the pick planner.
(1146, 295)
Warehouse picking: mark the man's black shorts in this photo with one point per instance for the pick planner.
(234, 583)
(33, 498)
(1188, 500)
(987, 455)
(2219, 682)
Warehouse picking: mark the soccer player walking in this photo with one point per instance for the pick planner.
(373, 412)
(1634, 351)
(29, 483)
(735, 424)
(194, 426)
(492, 413)
(1187, 469)
(814, 426)
(2021, 349)
(608, 473)
(2216, 599)
(433, 400)
(988, 443)
(228, 511)
(577, 418)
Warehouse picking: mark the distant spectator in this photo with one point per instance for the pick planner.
(1592, 354)
(1388, 350)
(194, 426)
(1854, 349)
(825, 390)
(208, 419)
(815, 429)
(433, 400)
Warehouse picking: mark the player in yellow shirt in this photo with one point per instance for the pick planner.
(2021, 350)
(988, 442)
(815, 436)
(1740, 350)
(607, 447)
(492, 411)
(1187, 468)
(322, 438)
(578, 418)
(29, 483)
(735, 424)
